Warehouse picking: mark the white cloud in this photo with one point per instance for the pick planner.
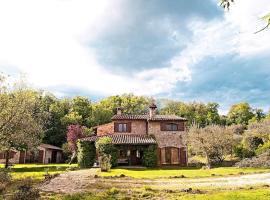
(46, 41)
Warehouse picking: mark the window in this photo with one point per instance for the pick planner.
(122, 127)
(171, 127)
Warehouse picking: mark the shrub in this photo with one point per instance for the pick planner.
(105, 162)
(262, 160)
(25, 191)
(150, 156)
(86, 154)
(263, 148)
(113, 191)
(4, 176)
(105, 146)
(242, 152)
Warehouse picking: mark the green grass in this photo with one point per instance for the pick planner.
(186, 172)
(257, 194)
(36, 171)
(243, 194)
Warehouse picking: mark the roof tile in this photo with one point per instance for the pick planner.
(146, 117)
(125, 139)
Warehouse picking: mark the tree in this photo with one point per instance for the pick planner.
(103, 110)
(55, 132)
(213, 141)
(199, 113)
(226, 4)
(21, 119)
(240, 113)
(74, 133)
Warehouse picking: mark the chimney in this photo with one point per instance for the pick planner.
(119, 111)
(152, 110)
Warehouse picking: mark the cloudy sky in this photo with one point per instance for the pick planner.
(178, 49)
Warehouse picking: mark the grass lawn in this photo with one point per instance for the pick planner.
(36, 171)
(186, 172)
(113, 193)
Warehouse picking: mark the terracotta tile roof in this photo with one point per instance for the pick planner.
(134, 117)
(125, 139)
(48, 146)
(146, 117)
(166, 117)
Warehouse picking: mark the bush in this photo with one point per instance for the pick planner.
(263, 148)
(150, 156)
(86, 154)
(113, 191)
(105, 146)
(242, 152)
(105, 162)
(25, 191)
(262, 160)
(4, 176)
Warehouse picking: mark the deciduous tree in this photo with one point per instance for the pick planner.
(213, 141)
(21, 118)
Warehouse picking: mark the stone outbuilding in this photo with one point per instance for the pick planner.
(44, 154)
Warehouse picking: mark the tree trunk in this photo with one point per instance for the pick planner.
(208, 163)
(7, 158)
(72, 157)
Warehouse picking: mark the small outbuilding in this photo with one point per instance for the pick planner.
(44, 154)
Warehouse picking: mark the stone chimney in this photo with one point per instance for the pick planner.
(152, 110)
(119, 111)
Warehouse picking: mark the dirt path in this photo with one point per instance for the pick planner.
(82, 180)
(71, 182)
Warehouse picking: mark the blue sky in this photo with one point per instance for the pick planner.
(178, 49)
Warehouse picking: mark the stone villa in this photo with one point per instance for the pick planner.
(131, 133)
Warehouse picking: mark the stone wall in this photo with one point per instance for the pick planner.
(166, 138)
(138, 127)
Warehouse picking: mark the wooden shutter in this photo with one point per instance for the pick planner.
(129, 127)
(116, 127)
(181, 126)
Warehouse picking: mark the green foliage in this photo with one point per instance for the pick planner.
(86, 154)
(199, 113)
(242, 152)
(240, 113)
(22, 118)
(150, 156)
(263, 148)
(113, 191)
(105, 146)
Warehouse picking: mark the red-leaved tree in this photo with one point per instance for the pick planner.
(74, 132)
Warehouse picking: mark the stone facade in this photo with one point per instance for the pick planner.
(166, 138)
(138, 127)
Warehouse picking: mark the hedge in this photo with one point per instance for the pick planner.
(150, 156)
(86, 154)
